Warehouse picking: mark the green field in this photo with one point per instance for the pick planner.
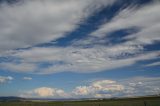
(118, 102)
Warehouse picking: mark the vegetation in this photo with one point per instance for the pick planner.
(146, 101)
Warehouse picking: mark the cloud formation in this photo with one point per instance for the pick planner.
(19, 67)
(101, 89)
(45, 92)
(31, 22)
(153, 64)
(134, 17)
(136, 86)
(141, 85)
(92, 53)
(4, 79)
(77, 59)
(27, 78)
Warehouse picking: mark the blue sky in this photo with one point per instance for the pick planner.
(79, 48)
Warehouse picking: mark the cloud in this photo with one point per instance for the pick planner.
(76, 57)
(31, 22)
(107, 85)
(81, 60)
(104, 88)
(138, 86)
(81, 90)
(19, 67)
(132, 17)
(135, 86)
(27, 78)
(4, 79)
(98, 89)
(153, 64)
(45, 92)
(102, 96)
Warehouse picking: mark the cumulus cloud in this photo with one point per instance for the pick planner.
(27, 78)
(107, 85)
(4, 79)
(45, 92)
(138, 86)
(102, 96)
(81, 90)
(135, 86)
(98, 89)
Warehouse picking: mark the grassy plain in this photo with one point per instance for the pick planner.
(152, 101)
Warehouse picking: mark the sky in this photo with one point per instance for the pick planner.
(79, 48)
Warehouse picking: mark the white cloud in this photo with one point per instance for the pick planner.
(102, 96)
(153, 64)
(19, 67)
(82, 90)
(107, 85)
(45, 92)
(145, 18)
(138, 86)
(135, 86)
(4, 79)
(32, 22)
(82, 60)
(95, 89)
(27, 78)
(72, 58)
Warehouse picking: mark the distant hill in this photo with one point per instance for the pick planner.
(11, 98)
(15, 99)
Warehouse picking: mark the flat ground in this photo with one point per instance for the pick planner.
(152, 101)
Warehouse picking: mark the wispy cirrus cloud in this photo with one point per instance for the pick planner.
(134, 17)
(27, 78)
(22, 26)
(79, 60)
(93, 53)
(18, 67)
(153, 64)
